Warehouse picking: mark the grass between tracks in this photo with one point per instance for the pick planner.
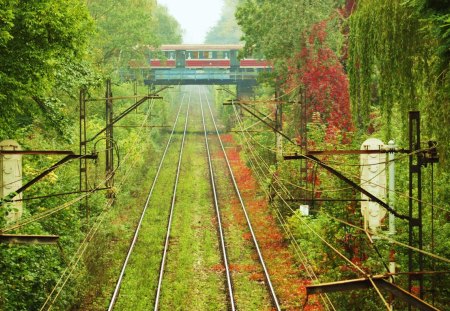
(189, 282)
(248, 281)
(247, 275)
(283, 269)
(106, 254)
(194, 273)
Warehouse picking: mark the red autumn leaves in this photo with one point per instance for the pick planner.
(318, 69)
(284, 272)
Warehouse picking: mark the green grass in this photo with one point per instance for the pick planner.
(139, 285)
(193, 278)
(249, 290)
(189, 282)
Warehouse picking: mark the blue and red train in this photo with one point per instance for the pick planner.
(203, 56)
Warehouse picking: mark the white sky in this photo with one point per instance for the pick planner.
(196, 17)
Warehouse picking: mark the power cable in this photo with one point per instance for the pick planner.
(49, 212)
(82, 248)
(337, 252)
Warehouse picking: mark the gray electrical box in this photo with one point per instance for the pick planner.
(11, 177)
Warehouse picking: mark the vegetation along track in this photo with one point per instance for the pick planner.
(188, 252)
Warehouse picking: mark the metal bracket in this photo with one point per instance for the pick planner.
(52, 168)
(365, 283)
(28, 239)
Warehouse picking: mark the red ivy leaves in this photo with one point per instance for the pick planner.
(317, 67)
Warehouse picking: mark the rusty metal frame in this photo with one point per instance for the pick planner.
(28, 239)
(127, 111)
(362, 190)
(52, 168)
(37, 152)
(364, 283)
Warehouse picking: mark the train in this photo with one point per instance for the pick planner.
(204, 56)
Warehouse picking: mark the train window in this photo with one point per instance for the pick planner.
(195, 55)
(219, 55)
(210, 54)
(205, 54)
(226, 55)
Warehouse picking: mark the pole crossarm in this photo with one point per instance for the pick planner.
(52, 168)
(37, 152)
(359, 188)
(127, 111)
(272, 127)
(365, 283)
(28, 239)
(341, 152)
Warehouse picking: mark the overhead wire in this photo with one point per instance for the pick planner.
(83, 246)
(328, 244)
(303, 258)
(386, 237)
(376, 249)
(335, 249)
(390, 239)
(299, 252)
(257, 155)
(59, 286)
(406, 155)
(398, 193)
(250, 227)
(299, 186)
(65, 205)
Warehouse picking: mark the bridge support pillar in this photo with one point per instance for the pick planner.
(245, 89)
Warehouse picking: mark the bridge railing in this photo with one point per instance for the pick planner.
(203, 75)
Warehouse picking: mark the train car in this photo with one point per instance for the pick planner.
(203, 56)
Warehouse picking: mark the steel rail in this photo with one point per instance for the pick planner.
(169, 224)
(138, 227)
(255, 241)
(219, 217)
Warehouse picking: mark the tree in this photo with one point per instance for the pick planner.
(167, 29)
(226, 31)
(37, 39)
(316, 68)
(6, 21)
(275, 28)
(122, 33)
(399, 61)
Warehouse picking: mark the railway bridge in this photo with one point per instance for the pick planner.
(201, 64)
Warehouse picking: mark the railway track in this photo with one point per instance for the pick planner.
(144, 210)
(223, 248)
(158, 286)
(172, 208)
(235, 186)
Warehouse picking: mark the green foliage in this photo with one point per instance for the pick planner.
(399, 61)
(275, 29)
(49, 50)
(44, 35)
(38, 38)
(167, 28)
(121, 31)
(6, 21)
(123, 34)
(226, 31)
